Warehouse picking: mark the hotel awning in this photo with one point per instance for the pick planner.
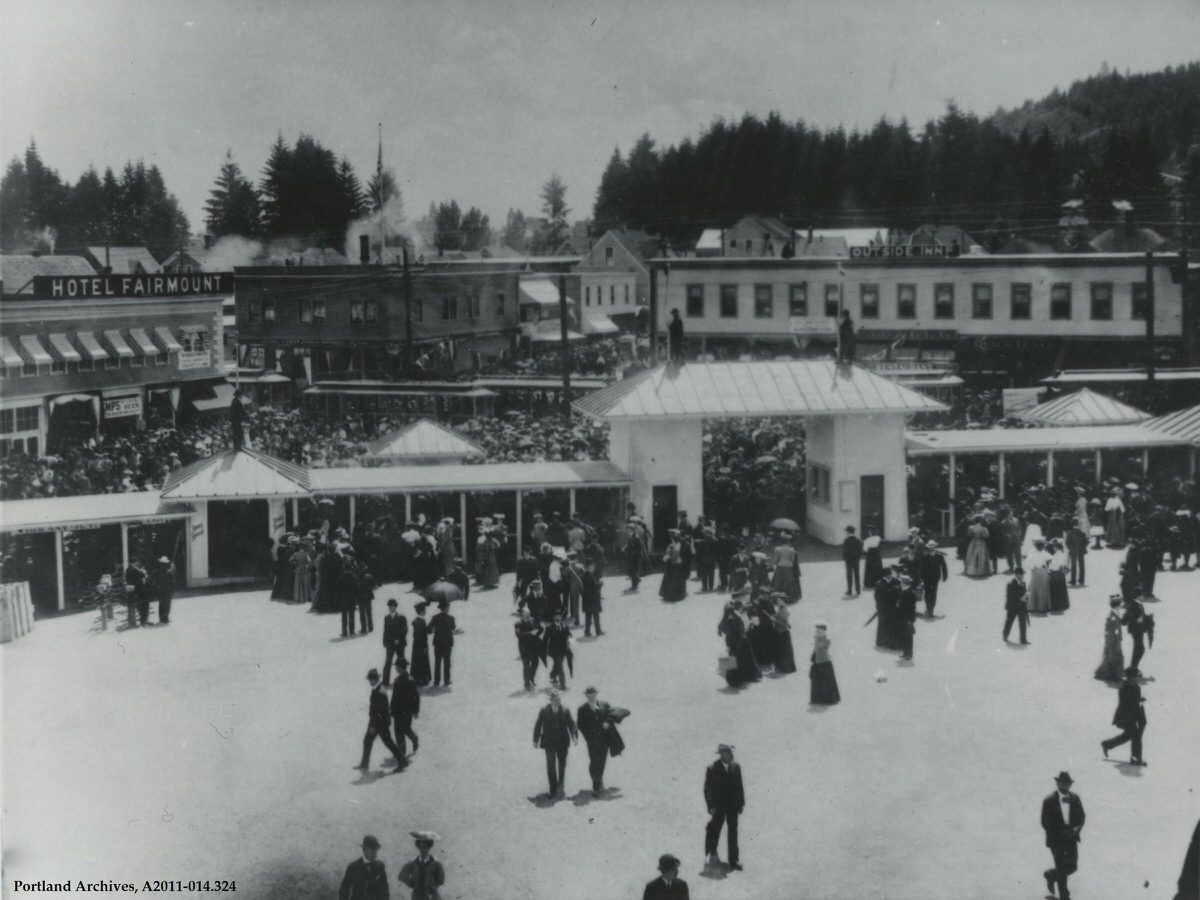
(90, 345)
(223, 397)
(118, 345)
(553, 337)
(11, 357)
(597, 324)
(61, 347)
(32, 345)
(168, 339)
(143, 342)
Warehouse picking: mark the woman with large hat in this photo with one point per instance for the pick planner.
(978, 563)
(786, 563)
(823, 690)
(1036, 562)
(674, 580)
(1114, 512)
(1112, 664)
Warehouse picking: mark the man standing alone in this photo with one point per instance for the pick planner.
(933, 572)
(554, 732)
(395, 639)
(442, 625)
(852, 551)
(1062, 820)
(1016, 604)
(725, 798)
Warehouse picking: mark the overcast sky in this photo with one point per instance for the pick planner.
(481, 102)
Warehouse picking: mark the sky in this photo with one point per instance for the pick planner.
(481, 102)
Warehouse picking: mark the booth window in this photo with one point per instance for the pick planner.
(695, 301)
(608, 257)
(626, 295)
(943, 301)
(981, 301)
(729, 301)
(371, 310)
(306, 312)
(356, 312)
(612, 295)
(868, 299)
(1060, 301)
(764, 301)
(1102, 292)
(255, 312)
(819, 485)
(1140, 300)
(1022, 301)
(58, 365)
(798, 299)
(499, 305)
(832, 296)
(268, 310)
(906, 301)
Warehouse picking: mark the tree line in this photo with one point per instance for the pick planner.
(1106, 138)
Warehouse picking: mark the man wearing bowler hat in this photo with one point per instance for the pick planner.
(378, 724)
(554, 732)
(1062, 820)
(668, 885)
(395, 639)
(365, 878)
(423, 874)
(725, 798)
(442, 625)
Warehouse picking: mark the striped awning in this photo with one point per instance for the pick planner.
(167, 339)
(117, 343)
(32, 345)
(61, 347)
(9, 353)
(143, 342)
(90, 345)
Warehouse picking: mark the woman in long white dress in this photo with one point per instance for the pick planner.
(1033, 534)
(1039, 577)
(1114, 512)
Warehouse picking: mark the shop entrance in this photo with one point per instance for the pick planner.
(238, 539)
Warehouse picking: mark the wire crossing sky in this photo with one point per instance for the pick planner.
(482, 102)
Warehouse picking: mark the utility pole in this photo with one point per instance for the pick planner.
(406, 286)
(1187, 308)
(380, 198)
(565, 344)
(1150, 312)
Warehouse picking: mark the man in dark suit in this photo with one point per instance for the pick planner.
(932, 565)
(1130, 717)
(442, 626)
(725, 798)
(554, 732)
(906, 616)
(365, 878)
(1062, 820)
(1077, 545)
(395, 639)
(1016, 604)
(405, 706)
(378, 724)
(1135, 620)
(137, 589)
(668, 885)
(557, 644)
(852, 551)
(593, 722)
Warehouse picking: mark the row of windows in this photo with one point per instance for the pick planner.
(612, 295)
(1020, 301)
(30, 369)
(366, 312)
(23, 418)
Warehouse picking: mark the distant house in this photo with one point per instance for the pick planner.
(122, 260)
(1129, 239)
(949, 236)
(1024, 245)
(614, 275)
(764, 236)
(17, 271)
(184, 261)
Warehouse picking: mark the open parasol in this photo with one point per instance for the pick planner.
(785, 525)
(441, 591)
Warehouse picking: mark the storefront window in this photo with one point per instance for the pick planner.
(868, 297)
(1021, 301)
(981, 301)
(832, 297)
(764, 301)
(1060, 301)
(943, 301)
(695, 301)
(798, 299)
(906, 301)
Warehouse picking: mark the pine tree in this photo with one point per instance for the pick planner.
(515, 226)
(555, 211)
(448, 227)
(476, 230)
(609, 208)
(356, 200)
(233, 206)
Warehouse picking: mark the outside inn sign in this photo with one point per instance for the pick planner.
(93, 287)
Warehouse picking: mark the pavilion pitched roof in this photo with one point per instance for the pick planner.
(737, 389)
(1183, 424)
(1083, 407)
(425, 438)
(237, 474)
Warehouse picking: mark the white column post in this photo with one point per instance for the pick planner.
(953, 488)
(462, 513)
(1049, 468)
(1099, 465)
(58, 569)
(295, 512)
(407, 508)
(353, 512)
(1000, 470)
(520, 525)
(571, 502)
(1145, 462)
(124, 546)
(1192, 454)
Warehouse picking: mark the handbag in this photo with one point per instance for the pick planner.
(726, 664)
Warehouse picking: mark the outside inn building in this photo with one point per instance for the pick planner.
(1017, 318)
(84, 353)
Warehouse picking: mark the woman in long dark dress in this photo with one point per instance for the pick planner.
(872, 560)
(674, 580)
(785, 657)
(824, 689)
(1112, 665)
(762, 632)
(786, 562)
(419, 668)
(1060, 599)
(284, 581)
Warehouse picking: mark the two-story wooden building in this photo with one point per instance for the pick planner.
(614, 276)
(84, 352)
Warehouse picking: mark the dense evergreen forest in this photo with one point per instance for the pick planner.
(1106, 137)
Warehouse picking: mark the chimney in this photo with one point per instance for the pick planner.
(364, 249)
(810, 234)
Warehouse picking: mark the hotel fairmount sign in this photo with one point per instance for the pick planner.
(97, 287)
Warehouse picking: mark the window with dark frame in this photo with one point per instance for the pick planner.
(1060, 301)
(906, 301)
(1021, 297)
(612, 295)
(255, 312)
(695, 301)
(626, 295)
(27, 418)
(868, 300)
(587, 296)
(1139, 301)
(306, 312)
(268, 310)
(981, 301)
(764, 301)
(608, 257)
(371, 310)
(356, 312)
(943, 301)
(499, 300)
(449, 309)
(319, 311)
(832, 295)
(798, 299)
(729, 301)
(1102, 300)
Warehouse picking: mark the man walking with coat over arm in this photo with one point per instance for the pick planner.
(725, 798)
(1062, 820)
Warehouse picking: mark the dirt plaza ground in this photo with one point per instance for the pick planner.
(222, 746)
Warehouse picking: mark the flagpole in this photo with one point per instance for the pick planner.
(379, 189)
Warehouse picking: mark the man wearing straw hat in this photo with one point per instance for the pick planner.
(365, 878)
(423, 874)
